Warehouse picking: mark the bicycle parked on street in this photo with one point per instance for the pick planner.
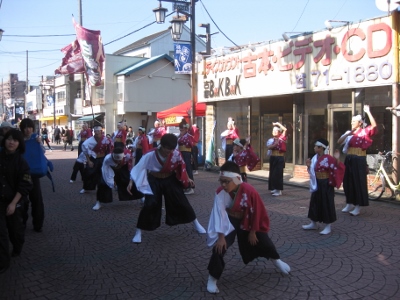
(382, 185)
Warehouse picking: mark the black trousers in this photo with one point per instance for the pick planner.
(11, 229)
(195, 156)
(264, 248)
(187, 157)
(138, 155)
(276, 166)
(78, 167)
(177, 207)
(36, 201)
(228, 151)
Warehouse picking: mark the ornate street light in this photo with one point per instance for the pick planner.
(176, 32)
(160, 14)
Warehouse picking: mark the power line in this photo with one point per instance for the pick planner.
(35, 36)
(298, 20)
(217, 25)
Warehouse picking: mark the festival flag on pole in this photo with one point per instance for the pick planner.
(92, 51)
(72, 63)
(85, 54)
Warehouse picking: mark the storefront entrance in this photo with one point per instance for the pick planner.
(339, 121)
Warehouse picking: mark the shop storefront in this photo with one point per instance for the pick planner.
(313, 84)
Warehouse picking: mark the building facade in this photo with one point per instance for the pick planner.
(313, 84)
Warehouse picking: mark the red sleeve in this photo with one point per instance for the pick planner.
(145, 145)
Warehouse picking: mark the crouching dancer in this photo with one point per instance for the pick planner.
(162, 172)
(238, 211)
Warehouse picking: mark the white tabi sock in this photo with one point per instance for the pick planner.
(198, 227)
(97, 206)
(212, 285)
(355, 211)
(138, 236)
(327, 229)
(281, 266)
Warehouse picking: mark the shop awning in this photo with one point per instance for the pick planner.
(48, 118)
(88, 118)
(181, 110)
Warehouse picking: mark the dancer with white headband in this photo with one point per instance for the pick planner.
(185, 144)
(141, 144)
(228, 136)
(162, 173)
(356, 142)
(244, 156)
(238, 211)
(277, 159)
(326, 173)
(115, 171)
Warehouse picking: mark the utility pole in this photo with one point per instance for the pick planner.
(82, 75)
(27, 85)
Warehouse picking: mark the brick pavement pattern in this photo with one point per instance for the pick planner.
(86, 254)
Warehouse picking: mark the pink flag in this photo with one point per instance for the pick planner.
(92, 52)
(72, 62)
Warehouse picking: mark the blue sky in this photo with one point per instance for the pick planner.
(242, 21)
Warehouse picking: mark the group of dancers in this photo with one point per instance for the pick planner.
(164, 171)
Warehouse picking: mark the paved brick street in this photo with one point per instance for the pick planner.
(86, 254)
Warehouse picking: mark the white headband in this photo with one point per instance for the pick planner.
(320, 144)
(119, 156)
(277, 128)
(236, 178)
(357, 118)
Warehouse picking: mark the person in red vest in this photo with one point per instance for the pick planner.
(141, 144)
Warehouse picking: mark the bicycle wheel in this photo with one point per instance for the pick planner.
(376, 187)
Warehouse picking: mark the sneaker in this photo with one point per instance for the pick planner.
(195, 173)
(71, 181)
(82, 191)
(274, 191)
(72, 149)
(189, 191)
(277, 193)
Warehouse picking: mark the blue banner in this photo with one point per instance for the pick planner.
(183, 58)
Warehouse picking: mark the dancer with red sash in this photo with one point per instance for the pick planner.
(162, 173)
(244, 156)
(238, 211)
(95, 149)
(326, 173)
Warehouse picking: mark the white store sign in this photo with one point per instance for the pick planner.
(354, 56)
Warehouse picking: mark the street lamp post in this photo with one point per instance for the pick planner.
(176, 31)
